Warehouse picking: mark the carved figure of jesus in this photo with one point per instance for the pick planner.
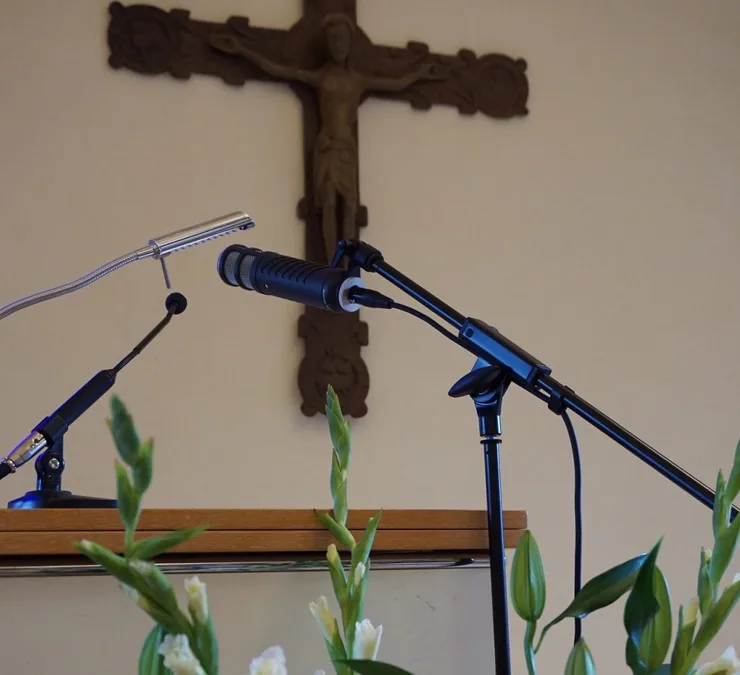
(340, 90)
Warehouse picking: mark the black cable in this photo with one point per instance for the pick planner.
(371, 298)
(577, 472)
(578, 516)
(428, 320)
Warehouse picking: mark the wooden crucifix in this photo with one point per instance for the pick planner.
(332, 66)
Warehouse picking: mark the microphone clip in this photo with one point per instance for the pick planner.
(361, 256)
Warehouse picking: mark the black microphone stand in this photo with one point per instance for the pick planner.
(486, 385)
(50, 465)
(501, 362)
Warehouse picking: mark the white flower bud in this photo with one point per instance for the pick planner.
(367, 640)
(270, 662)
(690, 611)
(324, 618)
(359, 573)
(727, 664)
(331, 553)
(197, 599)
(178, 656)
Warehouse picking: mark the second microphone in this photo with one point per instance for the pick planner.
(288, 278)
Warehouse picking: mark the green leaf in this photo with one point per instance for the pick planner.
(601, 591)
(335, 647)
(151, 662)
(339, 429)
(338, 656)
(356, 611)
(361, 552)
(128, 499)
(721, 511)
(114, 564)
(122, 429)
(338, 484)
(665, 669)
(580, 661)
(684, 637)
(154, 585)
(733, 482)
(715, 618)
(656, 638)
(724, 550)
(332, 402)
(528, 588)
(120, 569)
(157, 598)
(640, 608)
(206, 646)
(604, 589)
(162, 618)
(146, 549)
(365, 667)
(340, 532)
(705, 589)
(339, 584)
(340, 438)
(143, 467)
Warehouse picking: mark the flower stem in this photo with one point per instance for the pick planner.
(128, 542)
(543, 632)
(529, 647)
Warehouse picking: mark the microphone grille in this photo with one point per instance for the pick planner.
(234, 265)
(245, 265)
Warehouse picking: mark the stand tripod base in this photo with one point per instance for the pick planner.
(59, 499)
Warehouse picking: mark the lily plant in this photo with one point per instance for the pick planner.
(183, 641)
(652, 647)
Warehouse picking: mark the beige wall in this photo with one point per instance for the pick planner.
(601, 233)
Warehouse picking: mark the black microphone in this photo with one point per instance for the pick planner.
(50, 430)
(288, 278)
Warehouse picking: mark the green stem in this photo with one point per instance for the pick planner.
(691, 658)
(347, 618)
(128, 542)
(542, 636)
(529, 650)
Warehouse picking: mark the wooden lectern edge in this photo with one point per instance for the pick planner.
(56, 520)
(241, 532)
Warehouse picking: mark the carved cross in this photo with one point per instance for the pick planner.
(332, 66)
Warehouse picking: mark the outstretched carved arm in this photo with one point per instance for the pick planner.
(232, 45)
(426, 72)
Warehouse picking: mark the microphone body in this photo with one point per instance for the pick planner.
(308, 283)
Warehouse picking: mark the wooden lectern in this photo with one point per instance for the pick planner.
(40, 542)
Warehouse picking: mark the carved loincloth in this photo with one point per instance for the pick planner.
(335, 162)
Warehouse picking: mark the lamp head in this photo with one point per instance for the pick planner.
(197, 234)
